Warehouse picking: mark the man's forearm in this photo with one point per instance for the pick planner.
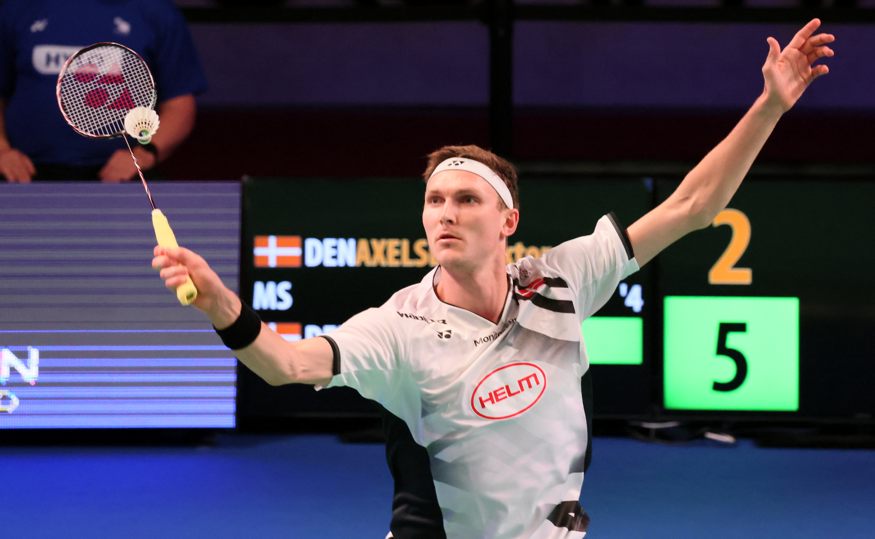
(712, 183)
(225, 310)
(177, 121)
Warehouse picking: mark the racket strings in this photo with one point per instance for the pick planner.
(100, 86)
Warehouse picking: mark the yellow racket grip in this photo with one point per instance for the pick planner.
(186, 293)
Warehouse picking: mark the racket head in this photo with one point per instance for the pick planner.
(99, 84)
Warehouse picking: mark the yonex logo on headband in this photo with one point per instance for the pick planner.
(478, 168)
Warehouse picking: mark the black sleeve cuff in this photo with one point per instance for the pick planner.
(335, 351)
(624, 236)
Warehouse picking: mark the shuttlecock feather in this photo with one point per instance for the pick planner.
(141, 123)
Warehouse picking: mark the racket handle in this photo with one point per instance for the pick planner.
(186, 293)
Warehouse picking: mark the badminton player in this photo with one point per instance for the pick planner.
(482, 360)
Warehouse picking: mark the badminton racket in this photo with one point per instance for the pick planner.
(106, 90)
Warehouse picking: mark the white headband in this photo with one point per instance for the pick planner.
(478, 168)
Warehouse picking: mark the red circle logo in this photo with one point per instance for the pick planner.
(509, 391)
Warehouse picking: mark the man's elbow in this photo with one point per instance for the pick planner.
(282, 374)
(700, 214)
(276, 380)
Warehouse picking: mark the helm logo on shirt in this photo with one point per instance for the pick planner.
(509, 391)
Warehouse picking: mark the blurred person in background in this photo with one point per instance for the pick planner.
(37, 37)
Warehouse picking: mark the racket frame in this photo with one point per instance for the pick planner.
(63, 72)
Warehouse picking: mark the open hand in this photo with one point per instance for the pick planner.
(788, 72)
(16, 167)
(120, 167)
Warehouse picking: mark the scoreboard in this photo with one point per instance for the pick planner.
(771, 309)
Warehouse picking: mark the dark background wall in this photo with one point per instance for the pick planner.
(347, 91)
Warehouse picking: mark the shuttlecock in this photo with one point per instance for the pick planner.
(141, 123)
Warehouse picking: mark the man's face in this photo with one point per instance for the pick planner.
(463, 220)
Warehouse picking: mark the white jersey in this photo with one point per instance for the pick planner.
(497, 406)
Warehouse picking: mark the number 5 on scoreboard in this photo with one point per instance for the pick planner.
(723, 349)
(755, 366)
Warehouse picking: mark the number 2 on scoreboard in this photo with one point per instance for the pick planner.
(724, 270)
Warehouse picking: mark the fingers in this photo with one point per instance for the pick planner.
(17, 175)
(16, 167)
(802, 35)
(774, 49)
(165, 257)
(820, 52)
(28, 166)
(808, 46)
(817, 41)
(182, 255)
(818, 71)
(811, 47)
(171, 269)
(174, 276)
(118, 168)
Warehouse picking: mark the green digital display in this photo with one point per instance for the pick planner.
(731, 353)
(614, 340)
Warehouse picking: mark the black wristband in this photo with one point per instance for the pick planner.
(243, 331)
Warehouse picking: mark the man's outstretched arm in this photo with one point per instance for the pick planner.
(707, 188)
(271, 357)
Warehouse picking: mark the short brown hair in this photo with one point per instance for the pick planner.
(505, 170)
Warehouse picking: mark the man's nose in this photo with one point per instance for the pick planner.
(448, 215)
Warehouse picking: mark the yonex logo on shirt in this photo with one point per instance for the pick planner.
(508, 391)
(39, 25)
(122, 27)
(421, 318)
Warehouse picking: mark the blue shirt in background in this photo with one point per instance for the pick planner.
(37, 36)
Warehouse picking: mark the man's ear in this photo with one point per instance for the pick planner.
(511, 222)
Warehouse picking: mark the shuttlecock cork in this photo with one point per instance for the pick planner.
(141, 123)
